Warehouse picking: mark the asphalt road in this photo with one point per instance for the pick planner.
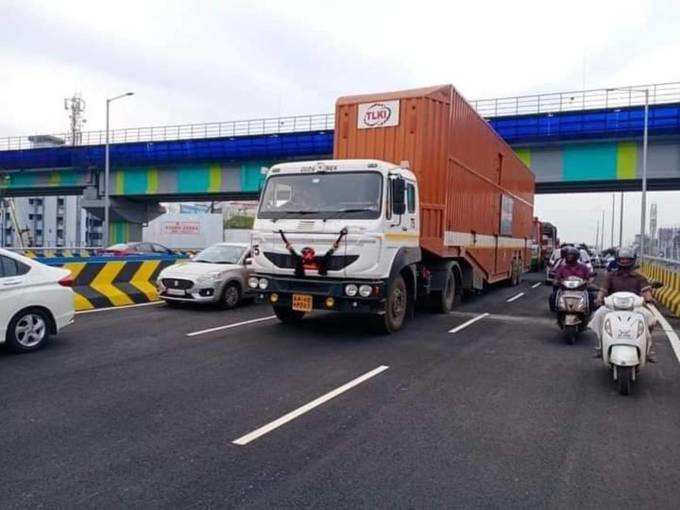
(124, 409)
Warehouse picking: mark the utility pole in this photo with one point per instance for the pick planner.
(602, 232)
(597, 237)
(613, 216)
(621, 222)
(76, 107)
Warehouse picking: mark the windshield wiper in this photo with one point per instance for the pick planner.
(202, 261)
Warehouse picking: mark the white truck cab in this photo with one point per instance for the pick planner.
(336, 235)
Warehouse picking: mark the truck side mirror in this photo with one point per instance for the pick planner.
(398, 196)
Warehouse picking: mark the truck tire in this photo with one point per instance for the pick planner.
(445, 299)
(396, 305)
(287, 315)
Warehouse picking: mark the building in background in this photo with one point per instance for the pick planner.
(53, 221)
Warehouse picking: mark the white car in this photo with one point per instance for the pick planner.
(218, 275)
(36, 301)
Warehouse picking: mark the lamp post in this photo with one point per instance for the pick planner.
(107, 169)
(645, 132)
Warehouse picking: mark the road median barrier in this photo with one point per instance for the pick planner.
(103, 282)
(668, 273)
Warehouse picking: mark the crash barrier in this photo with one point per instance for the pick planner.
(666, 271)
(102, 282)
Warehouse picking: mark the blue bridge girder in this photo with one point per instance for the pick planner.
(534, 130)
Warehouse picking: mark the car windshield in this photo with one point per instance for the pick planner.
(326, 195)
(220, 254)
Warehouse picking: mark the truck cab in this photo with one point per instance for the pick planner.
(335, 235)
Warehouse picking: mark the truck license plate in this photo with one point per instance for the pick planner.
(302, 302)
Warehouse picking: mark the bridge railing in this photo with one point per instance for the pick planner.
(621, 97)
(269, 126)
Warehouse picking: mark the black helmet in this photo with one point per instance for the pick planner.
(564, 250)
(571, 254)
(625, 259)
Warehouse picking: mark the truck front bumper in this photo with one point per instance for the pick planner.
(326, 294)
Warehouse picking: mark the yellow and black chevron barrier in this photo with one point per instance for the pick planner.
(669, 294)
(100, 284)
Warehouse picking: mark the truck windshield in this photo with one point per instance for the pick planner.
(322, 195)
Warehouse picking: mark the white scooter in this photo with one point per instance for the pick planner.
(625, 339)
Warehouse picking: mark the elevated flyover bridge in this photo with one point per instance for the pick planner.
(573, 141)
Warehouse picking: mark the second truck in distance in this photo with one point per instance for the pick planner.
(421, 201)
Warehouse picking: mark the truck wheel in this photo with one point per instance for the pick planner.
(287, 315)
(396, 305)
(444, 300)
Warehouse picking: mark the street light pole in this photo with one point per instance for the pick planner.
(105, 234)
(621, 222)
(613, 216)
(643, 215)
(645, 132)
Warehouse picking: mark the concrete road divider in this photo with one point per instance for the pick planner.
(669, 275)
(102, 282)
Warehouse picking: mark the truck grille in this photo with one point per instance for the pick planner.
(285, 261)
(175, 283)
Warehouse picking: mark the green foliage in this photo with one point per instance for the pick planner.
(245, 222)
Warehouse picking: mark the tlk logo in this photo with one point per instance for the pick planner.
(377, 114)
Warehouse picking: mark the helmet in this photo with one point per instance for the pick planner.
(564, 250)
(571, 254)
(625, 259)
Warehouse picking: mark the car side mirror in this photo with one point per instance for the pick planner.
(656, 284)
(398, 196)
(248, 261)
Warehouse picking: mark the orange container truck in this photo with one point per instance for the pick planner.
(423, 200)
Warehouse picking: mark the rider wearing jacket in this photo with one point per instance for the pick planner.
(570, 267)
(624, 279)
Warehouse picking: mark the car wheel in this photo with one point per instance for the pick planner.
(231, 295)
(28, 331)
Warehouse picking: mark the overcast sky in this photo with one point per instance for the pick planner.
(202, 61)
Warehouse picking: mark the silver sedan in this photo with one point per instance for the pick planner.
(218, 275)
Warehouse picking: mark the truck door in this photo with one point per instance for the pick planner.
(403, 229)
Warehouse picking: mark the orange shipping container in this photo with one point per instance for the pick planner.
(476, 195)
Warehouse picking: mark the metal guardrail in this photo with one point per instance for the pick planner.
(621, 97)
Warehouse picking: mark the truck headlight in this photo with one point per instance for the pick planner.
(351, 290)
(263, 283)
(365, 290)
(253, 282)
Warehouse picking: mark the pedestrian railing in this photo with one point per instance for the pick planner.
(620, 97)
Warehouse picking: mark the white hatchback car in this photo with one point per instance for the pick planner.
(219, 275)
(36, 301)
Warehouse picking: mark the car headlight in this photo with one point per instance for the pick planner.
(263, 283)
(351, 290)
(365, 290)
(253, 282)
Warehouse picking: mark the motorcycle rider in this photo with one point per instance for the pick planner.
(624, 279)
(570, 267)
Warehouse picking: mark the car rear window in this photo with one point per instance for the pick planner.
(10, 267)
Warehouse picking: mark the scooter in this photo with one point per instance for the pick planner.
(625, 339)
(573, 307)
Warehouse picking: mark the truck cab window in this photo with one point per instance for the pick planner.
(410, 198)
